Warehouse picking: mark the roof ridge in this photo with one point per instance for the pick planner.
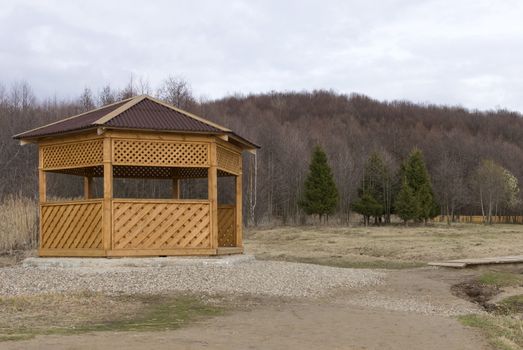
(74, 116)
(132, 102)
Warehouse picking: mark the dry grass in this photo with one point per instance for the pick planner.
(18, 224)
(384, 247)
(26, 316)
(504, 332)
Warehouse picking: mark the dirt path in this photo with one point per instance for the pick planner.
(412, 311)
(296, 326)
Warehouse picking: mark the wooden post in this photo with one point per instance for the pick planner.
(108, 194)
(42, 192)
(238, 216)
(213, 195)
(42, 183)
(88, 187)
(176, 188)
(42, 186)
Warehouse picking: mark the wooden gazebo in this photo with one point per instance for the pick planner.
(140, 137)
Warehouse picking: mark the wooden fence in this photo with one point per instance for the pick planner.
(478, 219)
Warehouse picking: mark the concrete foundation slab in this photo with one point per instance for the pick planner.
(226, 260)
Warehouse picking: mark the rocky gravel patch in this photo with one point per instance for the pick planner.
(268, 278)
(414, 304)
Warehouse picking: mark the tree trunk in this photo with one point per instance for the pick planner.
(490, 209)
(448, 215)
(482, 206)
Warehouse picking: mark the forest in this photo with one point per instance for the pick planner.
(462, 149)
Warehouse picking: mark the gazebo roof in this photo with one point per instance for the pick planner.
(138, 113)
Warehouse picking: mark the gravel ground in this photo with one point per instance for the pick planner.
(268, 278)
(415, 304)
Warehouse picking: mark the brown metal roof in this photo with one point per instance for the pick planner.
(141, 112)
(80, 122)
(148, 114)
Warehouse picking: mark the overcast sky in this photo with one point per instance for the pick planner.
(467, 53)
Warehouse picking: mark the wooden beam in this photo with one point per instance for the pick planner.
(239, 216)
(229, 250)
(176, 188)
(213, 195)
(88, 187)
(71, 252)
(161, 252)
(108, 195)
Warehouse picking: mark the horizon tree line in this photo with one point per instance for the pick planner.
(365, 141)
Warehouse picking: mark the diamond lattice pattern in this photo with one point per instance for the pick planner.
(161, 225)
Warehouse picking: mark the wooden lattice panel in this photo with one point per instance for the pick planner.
(228, 160)
(191, 173)
(144, 172)
(93, 171)
(161, 225)
(226, 226)
(71, 225)
(73, 154)
(160, 153)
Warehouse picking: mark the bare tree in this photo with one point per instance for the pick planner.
(129, 90)
(449, 185)
(177, 92)
(86, 100)
(495, 186)
(143, 86)
(22, 96)
(106, 96)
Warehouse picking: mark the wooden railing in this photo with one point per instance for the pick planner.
(71, 226)
(139, 227)
(153, 225)
(226, 226)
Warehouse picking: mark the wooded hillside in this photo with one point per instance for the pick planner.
(287, 126)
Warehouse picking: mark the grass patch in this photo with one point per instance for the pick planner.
(347, 263)
(393, 247)
(161, 314)
(15, 337)
(26, 317)
(513, 304)
(503, 332)
(501, 279)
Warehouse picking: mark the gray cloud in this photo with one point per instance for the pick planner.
(447, 52)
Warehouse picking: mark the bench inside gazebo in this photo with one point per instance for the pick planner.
(140, 137)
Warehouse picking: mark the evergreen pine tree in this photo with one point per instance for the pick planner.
(406, 205)
(320, 194)
(375, 191)
(418, 179)
(425, 202)
(367, 206)
(415, 170)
